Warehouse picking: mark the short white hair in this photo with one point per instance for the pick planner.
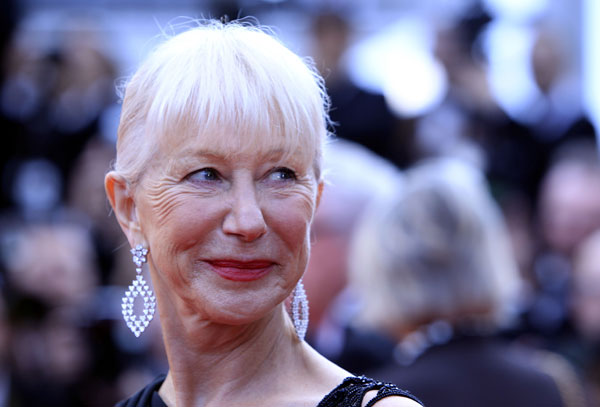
(232, 78)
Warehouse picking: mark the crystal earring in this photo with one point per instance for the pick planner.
(138, 324)
(300, 310)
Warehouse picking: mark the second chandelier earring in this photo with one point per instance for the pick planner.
(138, 287)
(300, 310)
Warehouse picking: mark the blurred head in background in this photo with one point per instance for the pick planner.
(331, 33)
(53, 263)
(438, 251)
(569, 206)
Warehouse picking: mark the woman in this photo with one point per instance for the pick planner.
(442, 282)
(215, 185)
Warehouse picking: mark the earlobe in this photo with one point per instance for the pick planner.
(123, 204)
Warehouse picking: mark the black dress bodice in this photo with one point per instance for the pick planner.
(349, 393)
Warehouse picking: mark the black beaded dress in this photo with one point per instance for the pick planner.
(349, 393)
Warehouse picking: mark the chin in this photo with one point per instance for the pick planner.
(238, 306)
(233, 316)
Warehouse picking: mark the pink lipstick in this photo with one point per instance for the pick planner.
(241, 270)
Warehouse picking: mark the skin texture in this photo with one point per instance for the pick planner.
(245, 207)
(202, 202)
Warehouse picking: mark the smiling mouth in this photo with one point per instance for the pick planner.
(241, 270)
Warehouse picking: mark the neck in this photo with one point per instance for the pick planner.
(211, 364)
(258, 363)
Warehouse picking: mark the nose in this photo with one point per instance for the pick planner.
(245, 218)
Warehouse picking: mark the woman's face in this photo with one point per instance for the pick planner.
(227, 226)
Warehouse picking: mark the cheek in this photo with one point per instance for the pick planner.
(176, 220)
(163, 202)
(290, 219)
(176, 230)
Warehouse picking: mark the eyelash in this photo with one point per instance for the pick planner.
(290, 174)
(286, 174)
(214, 174)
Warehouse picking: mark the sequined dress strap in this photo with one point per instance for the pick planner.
(353, 389)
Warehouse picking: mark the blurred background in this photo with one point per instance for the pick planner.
(508, 87)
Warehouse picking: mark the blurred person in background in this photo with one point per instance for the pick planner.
(556, 115)
(514, 148)
(216, 182)
(355, 176)
(468, 113)
(568, 211)
(357, 114)
(470, 124)
(50, 103)
(53, 264)
(522, 152)
(584, 306)
(436, 273)
(51, 281)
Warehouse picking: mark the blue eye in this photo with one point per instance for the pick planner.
(205, 175)
(282, 174)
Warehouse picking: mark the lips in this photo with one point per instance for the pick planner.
(235, 270)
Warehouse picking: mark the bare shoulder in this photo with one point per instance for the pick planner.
(392, 401)
(323, 369)
(326, 376)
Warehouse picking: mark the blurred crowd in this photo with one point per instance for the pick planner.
(455, 252)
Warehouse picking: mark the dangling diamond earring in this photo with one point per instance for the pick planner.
(300, 310)
(136, 323)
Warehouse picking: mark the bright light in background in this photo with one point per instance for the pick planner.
(508, 42)
(516, 10)
(508, 47)
(398, 63)
(411, 89)
(591, 60)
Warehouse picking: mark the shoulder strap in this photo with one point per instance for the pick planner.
(388, 390)
(353, 389)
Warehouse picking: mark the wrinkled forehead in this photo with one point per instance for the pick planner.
(232, 139)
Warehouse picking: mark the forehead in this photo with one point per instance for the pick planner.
(234, 141)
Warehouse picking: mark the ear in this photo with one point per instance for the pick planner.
(123, 204)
